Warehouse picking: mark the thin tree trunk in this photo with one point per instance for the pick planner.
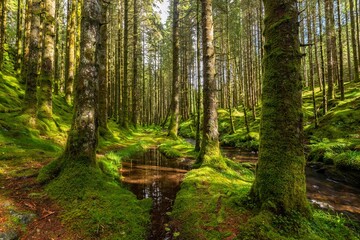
(325, 100)
(198, 57)
(70, 52)
(353, 40)
(135, 92)
(48, 63)
(30, 100)
(125, 103)
(3, 23)
(175, 108)
(19, 37)
(341, 54)
(103, 73)
(210, 149)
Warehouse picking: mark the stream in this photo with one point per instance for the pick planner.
(322, 192)
(152, 175)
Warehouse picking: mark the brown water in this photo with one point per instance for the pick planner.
(152, 175)
(322, 192)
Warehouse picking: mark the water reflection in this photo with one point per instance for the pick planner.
(323, 192)
(152, 175)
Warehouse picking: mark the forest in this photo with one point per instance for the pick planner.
(179, 119)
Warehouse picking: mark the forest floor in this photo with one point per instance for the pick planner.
(210, 205)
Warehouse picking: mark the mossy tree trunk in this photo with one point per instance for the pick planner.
(198, 100)
(26, 46)
(30, 100)
(47, 66)
(210, 148)
(280, 173)
(175, 100)
(19, 36)
(83, 136)
(135, 91)
(70, 51)
(330, 49)
(125, 97)
(103, 72)
(3, 31)
(353, 41)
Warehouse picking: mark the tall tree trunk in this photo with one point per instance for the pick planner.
(19, 37)
(70, 52)
(330, 48)
(175, 107)
(135, 92)
(198, 57)
(353, 40)
(47, 68)
(210, 149)
(324, 96)
(279, 184)
(3, 32)
(341, 54)
(30, 101)
(125, 103)
(26, 46)
(311, 63)
(103, 74)
(83, 136)
(348, 44)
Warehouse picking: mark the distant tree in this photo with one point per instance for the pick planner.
(3, 5)
(103, 73)
(175, 100)
(279, 184)
(30, 99)
(135, 91)
(48, 61)
(70, 64)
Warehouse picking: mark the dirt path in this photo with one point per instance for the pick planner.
(25, 210)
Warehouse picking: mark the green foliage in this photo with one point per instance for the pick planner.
(349, 160)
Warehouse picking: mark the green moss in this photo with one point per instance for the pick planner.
(207, 201)
(96, 206)
(178, 148)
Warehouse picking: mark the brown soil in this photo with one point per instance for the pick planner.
(25, 195)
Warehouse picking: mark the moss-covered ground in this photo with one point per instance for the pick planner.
(334, 144)
(90, 203)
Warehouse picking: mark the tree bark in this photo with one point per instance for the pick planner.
(210, 150)
(279, 184)
(3, 32)
(103, 76)
(135, 92)
(175, 102)
(198, 57)
(83, 136)
(70, 52)
(47, 68)
(19, 37)
(125, 102)
(353, 40)
(30, 100)
(330, 48)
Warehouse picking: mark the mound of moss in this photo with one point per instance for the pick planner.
(214, 204)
